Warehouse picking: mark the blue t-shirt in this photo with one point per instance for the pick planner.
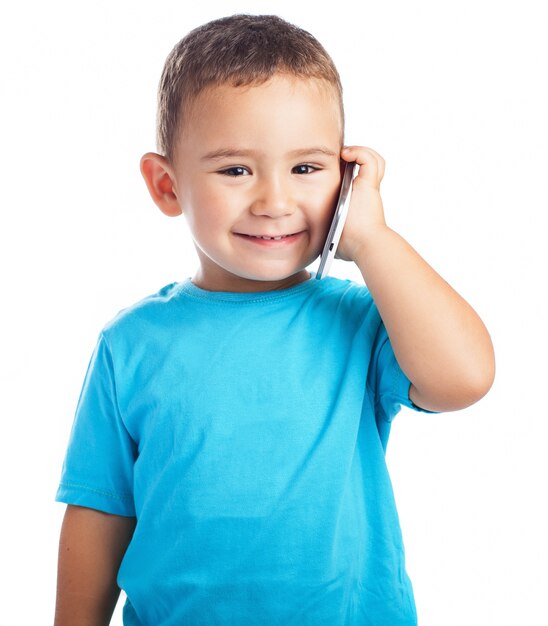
(247, 434)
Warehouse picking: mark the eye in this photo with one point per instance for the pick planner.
(304, 169)
(234, 172)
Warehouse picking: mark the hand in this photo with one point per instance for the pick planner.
(366, 213)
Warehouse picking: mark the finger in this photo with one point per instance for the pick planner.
(371, 163)
(368, 157)
(380, 161)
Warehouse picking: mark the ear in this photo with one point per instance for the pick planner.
(160, 180)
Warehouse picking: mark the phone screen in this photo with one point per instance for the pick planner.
(337, 223)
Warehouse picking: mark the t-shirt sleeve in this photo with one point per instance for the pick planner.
(389, 382)
(98, 467)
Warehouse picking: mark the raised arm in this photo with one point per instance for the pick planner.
(439, 341)
(91, 548)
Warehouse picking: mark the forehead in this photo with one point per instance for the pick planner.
(282, 111)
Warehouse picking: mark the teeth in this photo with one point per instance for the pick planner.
(268, 238)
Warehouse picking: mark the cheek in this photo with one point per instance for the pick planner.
(327, 207)
(324, 215)
(204, 211)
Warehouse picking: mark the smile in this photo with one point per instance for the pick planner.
(271, 239)
(267, 237)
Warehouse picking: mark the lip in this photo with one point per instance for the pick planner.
(271, 243)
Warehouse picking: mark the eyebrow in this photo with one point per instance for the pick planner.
(224, 153)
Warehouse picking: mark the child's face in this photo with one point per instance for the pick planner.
(259, 161)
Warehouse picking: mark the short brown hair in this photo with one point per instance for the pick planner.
(238, 50)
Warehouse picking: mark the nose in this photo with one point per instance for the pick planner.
(273, 198)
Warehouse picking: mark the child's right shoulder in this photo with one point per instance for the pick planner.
(148, 310)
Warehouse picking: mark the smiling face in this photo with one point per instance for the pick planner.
(256, 172)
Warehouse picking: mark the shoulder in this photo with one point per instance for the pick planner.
(151, 309)
(342, 286)
(348, 297)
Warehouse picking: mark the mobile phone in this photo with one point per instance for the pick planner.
(339, 218)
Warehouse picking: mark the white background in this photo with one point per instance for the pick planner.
(453, 95)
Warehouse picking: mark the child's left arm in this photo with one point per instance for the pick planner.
(439, 341)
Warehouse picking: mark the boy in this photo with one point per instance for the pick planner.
(226, 464)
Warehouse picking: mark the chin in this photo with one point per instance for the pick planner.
(275, 270)
(271, 276)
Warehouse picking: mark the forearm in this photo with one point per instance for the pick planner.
(91, 548)
(438, 339)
